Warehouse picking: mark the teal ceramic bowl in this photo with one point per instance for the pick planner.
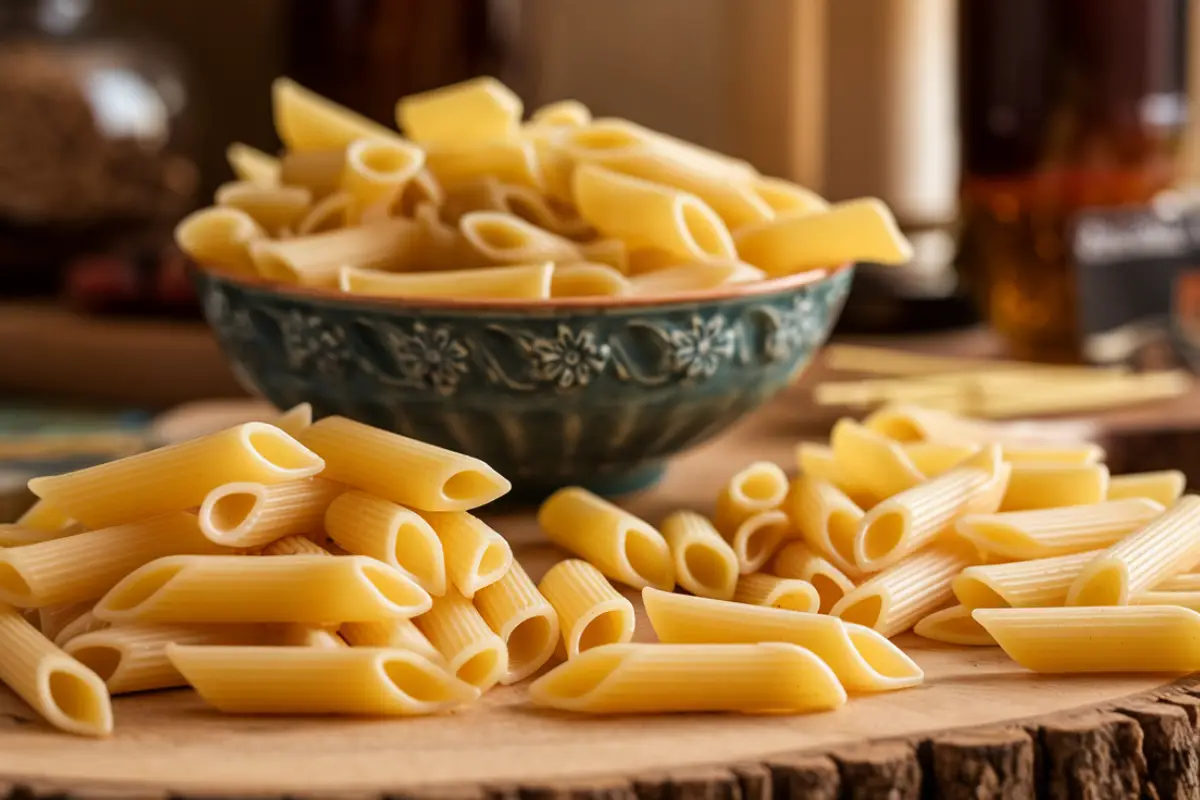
(598, 392)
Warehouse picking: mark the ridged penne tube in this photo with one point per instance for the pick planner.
(375, 171)
(620, 545)
(315, 259)
(84, 623)
(880, 466)
(272, 207)
(1047, 532)
(519, 614)
(318, 171)
(473, 652)
(1188, 582)
(178, 476)
(1082, 453)
(296, 634)
(1021, 584)
(295, 419)
(1162, 487)
(391, 633)
(294, 545)
(86, 565)
(400, 469)
(646, 214)
(590, 611)
(19, 535)
(250, 514)
(65, 693)
(657, 678)
(305, 120)
(509, 161)
(561, 114)
(1034, 485)
(503, 238)
(798, 560)
(768, 590)
(368, 525)
(1167, 546)
(762, 486)
(310, 680)
(1111, 639)
(587, 280)
(826, 518)
(522, 282)
(863, 660)
(705, 563)
(758, 538)
(936, 458)
(693, 278)
(252, 165)
(133, 657)
(43, 517)
(473, 111)
(53, 619)
(327, 215)
(1188, 599)
(476, 556)
(785, 197)
(892, 601)
(857, 230)
(303, 588)
(220, 237)
(954, 625)
(916, 517)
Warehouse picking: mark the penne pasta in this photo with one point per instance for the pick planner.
(441, 246)
(1084, 453)
(613, 136)
(857, 230)
(473, 653)
(405, 471)
(1021, 584)
(374, 172)
(476, 556)
(784, 197)
(315, 260)
(645, 214)
(561, 114)
(617, 543)
(1165, 547)
(694, 278)
(422, 190)
(768, 590)
(880, 466)
(936, 458)
(295, 419)
(894, 600)
(1186, 599)
(295, 634)
(1112, 639)
(64, 692)
(612, 252)
(587, 280)
(826, 518)
(503, 238)
(481, 195)
(272, 207)
(220, 237)
(523, 618)
(758, 538)
(590, 611)
(1161, 487)
(529, 282)
(649, 678)
(318, 589)
(293, 680)
(510, 161)
(863, 660)
(542, 211)
(367, 525)
(306, 121)
(51, 620)
(44, 518)
(798, 560)
(252, 165)
(84, 623)
(908, 423)
(705, 563)
(817, 461)
(954, 625)
(248, 514)
(19, 536)
(471, 112)
(1188, 582)
(1047, 532)
(294, 546)
(328, 215)
(319, 171)
(762, 486)
(178, 476)
(1054, 485)
(400, 634)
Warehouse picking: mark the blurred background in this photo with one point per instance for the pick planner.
(1039, 154)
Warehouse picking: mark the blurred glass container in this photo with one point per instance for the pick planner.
(92, 129)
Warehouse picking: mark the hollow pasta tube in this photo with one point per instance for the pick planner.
(1048, 532)
(705, 564)
(474, 653)
(590, 611)
(954, 625)
(768, 590)
(476, 555)
(892, 601)
(526, 621)
(247, 514)
(370, 526)
(800, 561)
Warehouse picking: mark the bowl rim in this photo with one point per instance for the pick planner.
(735, 291)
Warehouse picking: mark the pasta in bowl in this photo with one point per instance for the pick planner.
(573, 300)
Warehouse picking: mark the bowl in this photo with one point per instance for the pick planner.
(597, 392)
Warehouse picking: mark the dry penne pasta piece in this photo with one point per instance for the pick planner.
(220, 237)
(1047, 532)
(326, 216)
(758, 538)
(658, 678)
(510, 161)
(1111, 639)
(67, 694)
(440, 246)
(607, 251)
(1021, 584)
(368, 525)
(405, 471)
(312, 680)
(318, 171)
(863, 660)
(827, 519)
(1167, 546)
(646, 214)
(315, 260)
(954, 625)
(1034, 485)
(620, 545)
(177, 476)
(761, 486)
(1083, 453)
(521, 616)
(705, 563)
(391, 633)
(19, 536)
(50, 573)
(892, 601)
(909, 423)
(1186, 599)
(473, 652)
(296, 634)
(247, 514)
(857, 230)
(785, 197)
(768, 590)
(541, 210)
(799, 560)
(84, 623)
(523, 282)
(374, 171)
(476, 555)
(133, 657)
(43, 517)
(294, 545)
(1162, 487)
(295, 419)
(817, 461)
(611, 136)
(693, 277)
(51, 620)
(503, 238)
(317, 589)
(590, 611)
(474, 111)
(561, 114)
(252, 165)
(481, 195)
(1188, 582)
(305, 120)
(936, 458)
(272, 207)
(587, 280)
(422, 190)
(880, 466)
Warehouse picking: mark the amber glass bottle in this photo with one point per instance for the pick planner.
(1066, 105)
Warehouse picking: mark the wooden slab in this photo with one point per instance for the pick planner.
(980, 727)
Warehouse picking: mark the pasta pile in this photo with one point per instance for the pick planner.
(474, 202)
